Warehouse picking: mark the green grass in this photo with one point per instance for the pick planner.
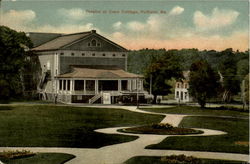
(64, 126)
(197, 111)
(157, 160)
(42, 158)
(237, 130)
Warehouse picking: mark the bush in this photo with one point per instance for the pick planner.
(180, 159)
(15, 154)
(162, 126)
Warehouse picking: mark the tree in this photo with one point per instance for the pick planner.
(162, 70)
(228, 69)
(204, 82)
(12, 58)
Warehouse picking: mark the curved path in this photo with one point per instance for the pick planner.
(119, 153)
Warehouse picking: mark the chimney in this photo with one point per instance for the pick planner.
(93, 31)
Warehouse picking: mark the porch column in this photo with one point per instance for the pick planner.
(71, 85)
(129, 85)
(84, 86)
(96, 86)
(119, 85)
(62, 84)
(66, 88)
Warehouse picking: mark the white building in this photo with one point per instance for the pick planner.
(181, 89)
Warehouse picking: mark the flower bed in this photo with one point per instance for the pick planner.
(14, 154)
(161, 129)
(180, 159)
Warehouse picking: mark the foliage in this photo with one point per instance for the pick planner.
(246, 89)
(162, 126)
(233, 65)
(161, 129)
(161, 71)
(145, 56)
(13, 154)
(41, 158)
(154, 160)
(179, 159)
(12, 59)
(204, 82)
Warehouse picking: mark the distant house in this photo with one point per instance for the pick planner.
(181, 89)
(84, 68)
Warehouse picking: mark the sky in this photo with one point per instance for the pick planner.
(169, 24)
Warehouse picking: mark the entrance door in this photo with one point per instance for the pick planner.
(106, 98)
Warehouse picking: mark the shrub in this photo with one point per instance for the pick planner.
(13, 154)
(179, 159)
(162, 126)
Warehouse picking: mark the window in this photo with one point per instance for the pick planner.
(113, 54)
(93, 54)
(60, 84)
(124, 85)
(83, 54)
(61, 53)
(72, 54)
(89, 44)
(186, 95)
(177, 94)
(103, 54)
(90, 85)
(64, 84)
(79, 85)
(93, 43)
(99, 44)
(68, 86)
(178, 85)
(123, 55)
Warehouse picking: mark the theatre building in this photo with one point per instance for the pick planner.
(84, 68)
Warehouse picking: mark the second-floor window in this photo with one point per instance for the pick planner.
(93, 43)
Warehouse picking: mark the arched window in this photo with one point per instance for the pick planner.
(93, 43)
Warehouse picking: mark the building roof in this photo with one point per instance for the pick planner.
(62, 40)
(82, 72)
(39, 38)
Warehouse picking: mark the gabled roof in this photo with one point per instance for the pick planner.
(61, 41)
(39, 38)
(69, 39)
(82, 72)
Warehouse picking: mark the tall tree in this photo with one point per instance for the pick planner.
(160, 71)
(12, 58)
(204, 82)
(228, 68)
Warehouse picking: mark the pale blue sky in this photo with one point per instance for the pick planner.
(186, 24)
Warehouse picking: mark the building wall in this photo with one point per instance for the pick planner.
(181, 92)
(101, 45)
(86, 58)
(47, 64)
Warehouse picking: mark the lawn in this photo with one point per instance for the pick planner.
(42, 158)
(237, 130)
(64, 126)
(157, 160)
(198, 111)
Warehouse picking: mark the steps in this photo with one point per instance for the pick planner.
(95, 98)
